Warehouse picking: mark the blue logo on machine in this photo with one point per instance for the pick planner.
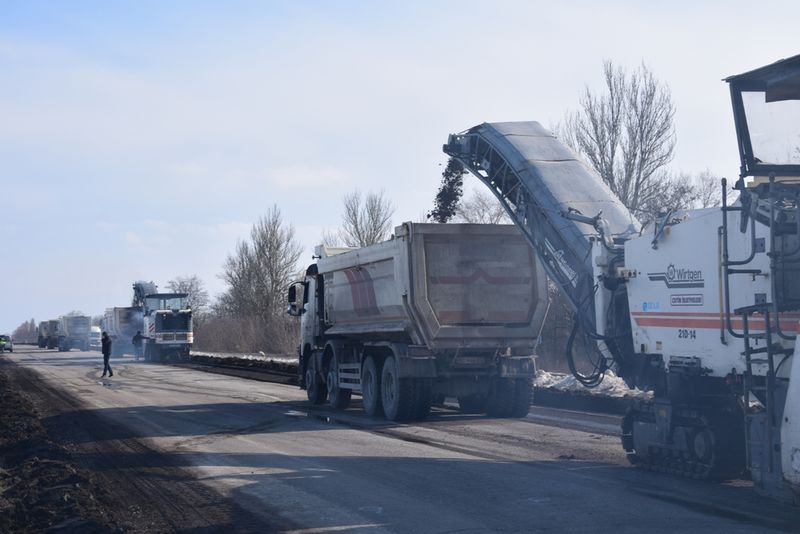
(679, 278)
(651, 306)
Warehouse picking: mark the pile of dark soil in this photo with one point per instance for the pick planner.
(41, 489)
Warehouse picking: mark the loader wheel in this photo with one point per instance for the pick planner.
(397, 394)
(338, 398)
(315, 387)
(370, 387)
(475, 403)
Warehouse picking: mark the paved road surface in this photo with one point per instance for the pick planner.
(282, 466)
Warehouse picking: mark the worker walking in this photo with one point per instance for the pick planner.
(137, 344)
(105, 343)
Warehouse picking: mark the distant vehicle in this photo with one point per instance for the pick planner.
(121, 325)
(73, 332)
(164, 319)
(48, 334)
(94, 338)
(6, 344)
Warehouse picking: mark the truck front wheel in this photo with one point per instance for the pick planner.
(397, 394)
(370, 387)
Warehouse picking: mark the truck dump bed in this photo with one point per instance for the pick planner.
(122, 322)
(444, 286)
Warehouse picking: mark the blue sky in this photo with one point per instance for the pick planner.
(141, 139)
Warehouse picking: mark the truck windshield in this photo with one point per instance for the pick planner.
(774, 128)
(166, 303)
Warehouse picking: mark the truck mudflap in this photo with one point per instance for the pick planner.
(415, 362)
(517, 367)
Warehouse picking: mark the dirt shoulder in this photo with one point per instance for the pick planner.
(63, 467)
(41, 487)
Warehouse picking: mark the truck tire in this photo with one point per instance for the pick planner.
(397, 394)
(315, 386)
(510, 398)
(339, 399)
(370, 387)
(501, 398)
(523, 397)
(424, 394)
(475, 403)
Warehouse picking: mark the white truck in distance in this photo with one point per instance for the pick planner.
(438, 310)
(95, 335)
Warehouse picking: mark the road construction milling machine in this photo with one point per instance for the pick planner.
(701, 307)
(164, 320)
(436, 311)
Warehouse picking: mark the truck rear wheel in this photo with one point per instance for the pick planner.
(370, 387)
(424, 398)
(315, 387)
(523, 397)
(510, 398)
(475, 403)
(397, 394)
(337, 397)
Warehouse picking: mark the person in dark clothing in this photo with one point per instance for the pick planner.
(105, 343)
(137, 344)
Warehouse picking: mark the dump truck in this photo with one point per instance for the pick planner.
(73, 332)
(121, 324)
(439, 310)
(48, 334)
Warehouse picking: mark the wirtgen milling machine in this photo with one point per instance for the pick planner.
(701, 306)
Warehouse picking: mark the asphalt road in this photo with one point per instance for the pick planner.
(259, 452)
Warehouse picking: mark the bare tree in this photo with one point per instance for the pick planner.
(257, 275)
(366, 220)
(193, 286)
(481, 208)
(709, 189)
(627, 134)
(27, 332)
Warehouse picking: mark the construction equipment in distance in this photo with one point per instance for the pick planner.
(438, 310)
(701, 306)
(164, 319)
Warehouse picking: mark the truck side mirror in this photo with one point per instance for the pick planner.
(293, 309)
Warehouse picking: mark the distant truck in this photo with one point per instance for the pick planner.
(94, 338)
(121, 324)
(48, 334)
(439, 310)
(164, 319)
(73, 332)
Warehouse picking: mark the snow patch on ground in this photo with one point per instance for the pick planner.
(612, 385)
(258, 356)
